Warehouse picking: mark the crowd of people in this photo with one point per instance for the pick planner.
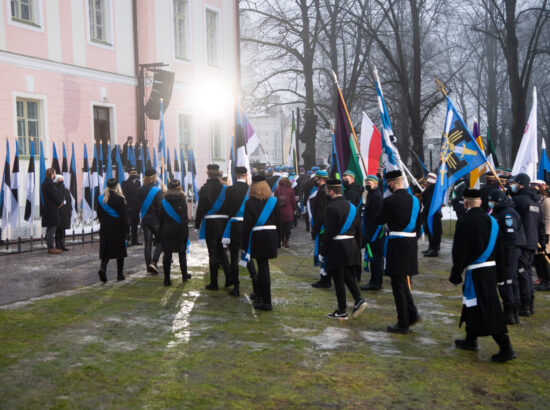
(502, 230)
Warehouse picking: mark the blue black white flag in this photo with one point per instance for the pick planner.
(31, 186)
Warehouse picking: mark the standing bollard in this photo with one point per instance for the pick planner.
(82, 232)
(92, 236)
(18, 244)
(31, 244)
(73, 236)
(41, 240)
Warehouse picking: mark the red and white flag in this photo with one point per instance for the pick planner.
(371, 145)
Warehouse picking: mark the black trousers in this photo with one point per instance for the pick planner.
(133, 222)
(306, 219)
(404, 304)
(216, 257)
(59, 237)
(167, 262)
(508, 288)
(377, 263)
(235, 257)
(434, 239)
(525, 280)
(287, 229)
(264, 281)
(344, 277)
(119, 265)
(50, 236)
(541, 267)
(501, 339)
(151, 236)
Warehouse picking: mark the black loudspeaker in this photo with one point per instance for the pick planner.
(163, 83)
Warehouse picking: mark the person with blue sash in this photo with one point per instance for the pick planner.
(130, 188)
(400, 212)
(111, 212)
(211, 223)
(174, 232)
(318, 205)
(275, 177)
(149, 202)
(478, 250)
(374, 235)
(261, 236)
(308, 186)
(434, 237)
(341, 248)
(233, 206)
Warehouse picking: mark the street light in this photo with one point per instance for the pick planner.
(431, 147)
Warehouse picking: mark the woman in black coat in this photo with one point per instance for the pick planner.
(264, 239)
(174, 231)
(111, 212)
(65, 214)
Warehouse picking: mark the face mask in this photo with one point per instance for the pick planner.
(491, 204)
(368, 188)
(514, 188)
(60, 183)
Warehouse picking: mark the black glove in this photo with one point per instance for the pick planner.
(456, 277)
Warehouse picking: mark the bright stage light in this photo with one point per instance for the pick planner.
(213, 98)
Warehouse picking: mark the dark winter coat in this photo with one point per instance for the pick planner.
(287, 202)
(353, 193)
(272, 181)
(318, 207)
(65, 212)
(470, 240)
(373, 205)
(509, 223)
(484, 191)
(306, 188)
(207, 196)
(264, 242)
(152, 216)
(234, 197)
(528, 207)
(401, 255)
(130, 189)
(52, 200)
(341, 253)
(427, 196)
(173, 235)
(113, 231)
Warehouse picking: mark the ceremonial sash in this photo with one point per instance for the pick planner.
(110, 211)
(226, 239)
(148, 200)
(470, 299)
(262, 219)
(379, 233)
(312, 194)
(215, 208)
(347, 224)
(274, 187)
(407, 232)
(171, 211)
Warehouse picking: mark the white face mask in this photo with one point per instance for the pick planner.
(491, 204)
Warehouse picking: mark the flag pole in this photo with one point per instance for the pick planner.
(350, 123)
(265, 155)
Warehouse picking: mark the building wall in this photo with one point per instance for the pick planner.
(272, 129)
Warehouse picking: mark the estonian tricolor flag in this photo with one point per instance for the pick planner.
(31, 187)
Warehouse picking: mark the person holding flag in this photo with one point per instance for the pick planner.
(150, 202)
(50, 215)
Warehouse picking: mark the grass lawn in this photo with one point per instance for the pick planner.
(139, 344)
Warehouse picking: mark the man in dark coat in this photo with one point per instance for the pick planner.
(341, 248)
(434, 238)
(528, 207)
(211, 223)
(352, 191)
(65, 214)
(317, 205)
(475, 248)
(512, 237)
(400, 211)
(174, 230)
(233, 207)
(149, 202)
(490, 185)
(129, 144)
(307, 189)
(50, 214)
(130, 189)
(374, 234)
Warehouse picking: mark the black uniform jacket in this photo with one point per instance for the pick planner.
(65, 212)
(113, 231)
(52, 200)
(427, 196)
(341, 253)
(318, 207)
(264, 242)
(272, 180)
(151, 218)
(401, 255)
(353, 193)
(470, 240)
(130, 189)
(509, 223)
(306, 189)
(234, 197)
(528, 207)
(373, 205)
(173, 236)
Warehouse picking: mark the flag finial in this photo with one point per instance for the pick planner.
(440, 86)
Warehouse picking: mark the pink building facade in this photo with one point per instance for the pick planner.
(69, 68)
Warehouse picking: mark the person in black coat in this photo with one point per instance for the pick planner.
(111, 212)
(130, 189)
(434, 238)
(352, 191)
(528, 207)
(374, 234)
(129, 144)
(174, 231)
(476, 246)
(49, 211)
(317, 204)
(235, 196)
(214, 223)
(341, 248)
(149, 202)
(490, 185)
(65, 214)
(512, 236)
(264, 239)
(306, 189)
(400, 211)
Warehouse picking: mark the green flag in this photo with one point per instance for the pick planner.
(491, 149)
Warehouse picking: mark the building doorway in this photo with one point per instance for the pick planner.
(102, 130)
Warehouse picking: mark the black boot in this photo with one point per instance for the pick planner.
(102, 275)
(166, 270)
(516, 315)
(470, 343)
(506, 352)
(509, 316)
(234, 291)
(324, 282)
(525, 309)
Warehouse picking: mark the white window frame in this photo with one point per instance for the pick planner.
(36, 25)
(222, 140)
(192, 126)
(112, 119)
(110, 42)
(43, 116)
(189, 44)
(219, 55)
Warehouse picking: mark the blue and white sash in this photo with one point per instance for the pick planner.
(262, 219)
(215, 208)
(148, 200)
(171, 211)
(408, 232)
(347, 224)
(226, 239)
(275, 185)
(470, 298)
(312, 194)
(110, 211)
